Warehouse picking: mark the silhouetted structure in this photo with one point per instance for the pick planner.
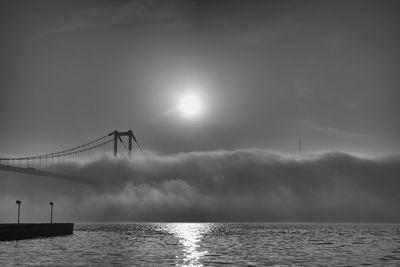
(51, 212)
(118, 135)
(300, 145)
(18, 202)
(12, 231)
(43, 173)
(58, 164)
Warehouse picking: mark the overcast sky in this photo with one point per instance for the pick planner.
(266, 72)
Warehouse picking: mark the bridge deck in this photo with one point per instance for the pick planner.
(36, 172)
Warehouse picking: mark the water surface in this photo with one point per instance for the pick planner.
(211, 244)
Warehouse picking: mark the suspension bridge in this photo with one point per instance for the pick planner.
(65, 164)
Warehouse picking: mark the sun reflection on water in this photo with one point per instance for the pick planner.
(190, 235)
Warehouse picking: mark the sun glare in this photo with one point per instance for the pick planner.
(190, 105)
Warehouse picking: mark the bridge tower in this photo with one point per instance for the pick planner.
(118, 135)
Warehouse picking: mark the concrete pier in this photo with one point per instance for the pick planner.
(13, 231)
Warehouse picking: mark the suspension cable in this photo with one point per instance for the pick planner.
(60, 153)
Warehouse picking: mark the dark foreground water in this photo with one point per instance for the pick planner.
(211, 244)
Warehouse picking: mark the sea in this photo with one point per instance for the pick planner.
(211, 244)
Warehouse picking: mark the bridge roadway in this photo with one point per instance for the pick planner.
(36, 172)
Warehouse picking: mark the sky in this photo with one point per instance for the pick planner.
(265, 74)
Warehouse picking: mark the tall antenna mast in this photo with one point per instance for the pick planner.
(300, 145)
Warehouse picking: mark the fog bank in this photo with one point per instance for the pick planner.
(239, 185)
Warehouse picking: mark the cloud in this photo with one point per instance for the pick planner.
(239, 185)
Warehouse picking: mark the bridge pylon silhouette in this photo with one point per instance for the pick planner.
(117, 137)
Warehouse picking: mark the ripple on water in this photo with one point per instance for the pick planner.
(210, 244)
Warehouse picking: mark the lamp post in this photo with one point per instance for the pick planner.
(18, 202)
(51, 212)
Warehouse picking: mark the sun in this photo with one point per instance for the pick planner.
(190, 105)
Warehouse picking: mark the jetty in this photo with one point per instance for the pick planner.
(15, 231)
